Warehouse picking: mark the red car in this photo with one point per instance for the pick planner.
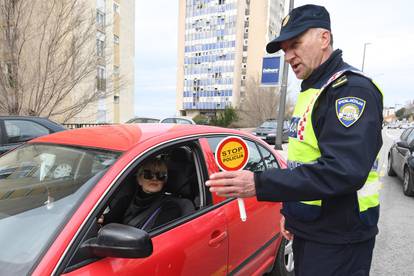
(54, 190)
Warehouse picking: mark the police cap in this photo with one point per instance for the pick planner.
(298, 21)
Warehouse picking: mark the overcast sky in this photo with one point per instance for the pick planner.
(387, 25)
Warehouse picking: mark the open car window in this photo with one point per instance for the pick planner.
(142, 197)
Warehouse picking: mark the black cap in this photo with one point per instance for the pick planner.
(298, 21)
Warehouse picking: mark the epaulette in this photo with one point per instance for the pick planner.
(339, 82)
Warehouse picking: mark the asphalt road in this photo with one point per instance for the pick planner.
(394, 250)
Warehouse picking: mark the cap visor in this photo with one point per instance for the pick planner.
(274, 45)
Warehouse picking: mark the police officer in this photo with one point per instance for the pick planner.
(330, 191)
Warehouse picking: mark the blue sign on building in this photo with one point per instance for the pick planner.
(271, 71)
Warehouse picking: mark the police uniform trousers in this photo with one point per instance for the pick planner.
(318, 259)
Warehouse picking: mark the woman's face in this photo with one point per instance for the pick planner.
(152, 179)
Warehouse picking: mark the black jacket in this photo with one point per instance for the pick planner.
(146, 211)
(347, 156)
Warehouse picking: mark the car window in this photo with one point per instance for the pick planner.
(143, 120)
(255, 162)
(269, 124)
(268, 158)
(168, 121)
(40, 187)
(183, 121)
(152, 121)
(167, 175)
(405, 134)
(22, 130)
(410, 138)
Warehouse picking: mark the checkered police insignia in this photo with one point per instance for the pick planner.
(349, 110)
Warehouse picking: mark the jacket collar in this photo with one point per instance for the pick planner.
(321, 74)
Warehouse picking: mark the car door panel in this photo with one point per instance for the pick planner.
(183, 250)
(261, 226)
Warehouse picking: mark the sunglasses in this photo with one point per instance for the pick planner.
(149, 175)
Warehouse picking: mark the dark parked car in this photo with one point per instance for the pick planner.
(267, 131)
(401, 160)
(142, 120)
(15, 130)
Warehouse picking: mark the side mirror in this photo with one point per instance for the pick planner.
(403, 144)
(120, 241)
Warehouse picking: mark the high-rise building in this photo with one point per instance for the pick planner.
(221, 45)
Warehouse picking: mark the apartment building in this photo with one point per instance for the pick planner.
(115, 21)
(221, 45)
(55, 56)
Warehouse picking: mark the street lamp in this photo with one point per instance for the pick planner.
(282, 99)
(363, 56)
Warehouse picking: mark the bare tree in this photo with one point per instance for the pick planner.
(260, 103)
(49, 58)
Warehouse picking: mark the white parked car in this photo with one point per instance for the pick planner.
(178, 120)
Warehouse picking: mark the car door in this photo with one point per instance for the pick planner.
(252, 244)
(400, 152)
(196, 244)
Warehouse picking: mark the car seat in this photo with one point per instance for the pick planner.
(182, 176)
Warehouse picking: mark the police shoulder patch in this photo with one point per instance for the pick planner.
(349, 110)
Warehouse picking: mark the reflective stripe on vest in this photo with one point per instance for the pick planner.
(303, 149)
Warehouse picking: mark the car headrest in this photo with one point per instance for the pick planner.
(182, 176)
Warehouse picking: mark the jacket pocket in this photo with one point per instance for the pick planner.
(301, 211)
(370, 216)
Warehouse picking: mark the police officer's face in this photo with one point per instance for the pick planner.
(306, 52)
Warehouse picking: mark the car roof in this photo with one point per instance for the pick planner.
(177, 117)
(122, 137)
(43, 120)
(142, 118)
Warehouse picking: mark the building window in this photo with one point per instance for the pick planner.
(116, 99)
(116, 8)
(100, 19)
(116, 39)
(100, 47)
(116, 70)
(221, 2)
(101, 78)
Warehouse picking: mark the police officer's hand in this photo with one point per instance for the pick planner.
(232, 184)
(285, 233)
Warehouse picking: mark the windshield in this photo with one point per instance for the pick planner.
(269, 124)
(273, 124)
(40, 187)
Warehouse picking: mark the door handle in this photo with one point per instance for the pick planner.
(217, 238)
